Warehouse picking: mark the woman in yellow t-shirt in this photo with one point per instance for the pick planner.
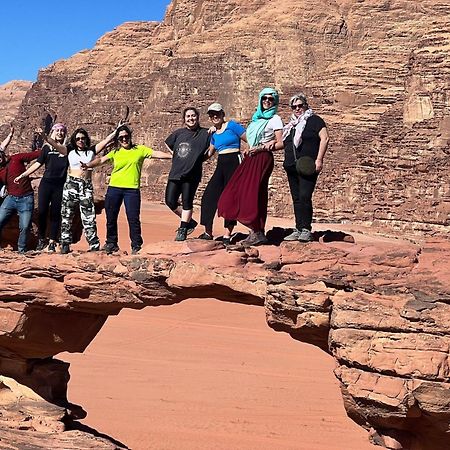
(124, 187)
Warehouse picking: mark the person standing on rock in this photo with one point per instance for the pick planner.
(188, 146)
(50, 190)
(305, 140)
(124, 187)
(226, 141)
(78, 189)
(245, 197)
(20, 198)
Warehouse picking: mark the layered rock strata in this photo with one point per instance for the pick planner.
(378, 72)
(379, 306)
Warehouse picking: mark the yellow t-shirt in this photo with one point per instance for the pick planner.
(127, 166)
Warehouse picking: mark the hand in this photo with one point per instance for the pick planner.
(17, 179)
(11, 129)
(84, 166)
(319, 165)
(212, 129)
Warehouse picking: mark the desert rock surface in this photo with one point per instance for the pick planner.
(378, 305)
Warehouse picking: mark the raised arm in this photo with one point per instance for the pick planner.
(35, 166)
(59, 147)
(108, 139)
(324, 139)
(8, 138)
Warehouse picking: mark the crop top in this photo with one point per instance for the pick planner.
(76, 157)
(228, 138)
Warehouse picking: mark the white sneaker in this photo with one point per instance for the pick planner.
(294, 236)
(305, 235)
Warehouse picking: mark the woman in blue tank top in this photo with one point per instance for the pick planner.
(226, 141)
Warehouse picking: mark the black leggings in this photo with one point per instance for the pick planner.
(302, 189)
(226, 165)
(186, 187)
(50, 199)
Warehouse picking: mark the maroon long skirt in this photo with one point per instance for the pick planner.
(246, 195)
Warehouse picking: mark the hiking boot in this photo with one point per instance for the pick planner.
(135, 250)
(181, 234)
(205, 236)
(42, 243)
(51, 247)
(109, 248)
(294, 236)
(65, 248)
(305, 235)
(191, 226)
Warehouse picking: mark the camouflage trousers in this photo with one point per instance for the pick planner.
(78, 191)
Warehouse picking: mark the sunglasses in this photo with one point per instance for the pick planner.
(297, 106)
(125, 137)
(267, 99)
(80, 138)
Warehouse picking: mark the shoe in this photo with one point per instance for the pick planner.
(205, 236)
(226, 240)
(258, 238)
(135, 250)
(110, 248)
(94, 248)
(22, 251)
(181, 234)
(294, 236)
(305, 235)
(191, 226)
(51, 247)
(65, 248)
(42, 243)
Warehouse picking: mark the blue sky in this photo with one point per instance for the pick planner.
(32, 37)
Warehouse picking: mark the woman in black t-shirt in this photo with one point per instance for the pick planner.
(305, 141)
(188, 146)
(50, 188)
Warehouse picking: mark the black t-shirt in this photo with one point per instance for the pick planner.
(55, 163)
(310, 141)
(189, 147)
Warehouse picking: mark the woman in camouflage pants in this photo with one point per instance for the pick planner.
(78, 189)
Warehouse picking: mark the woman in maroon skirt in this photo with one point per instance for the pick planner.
(246, 195)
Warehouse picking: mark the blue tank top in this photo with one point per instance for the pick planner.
(229, 138)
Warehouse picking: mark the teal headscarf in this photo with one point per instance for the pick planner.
(259, 121)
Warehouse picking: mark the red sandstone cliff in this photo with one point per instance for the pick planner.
(378, 72)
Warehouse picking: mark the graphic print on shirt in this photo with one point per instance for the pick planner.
(183, 150)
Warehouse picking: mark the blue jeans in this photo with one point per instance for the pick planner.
(113, 201)
(24, 207)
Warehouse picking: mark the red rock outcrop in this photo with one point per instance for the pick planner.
(380, 306)
(376, 71)
(11, 97)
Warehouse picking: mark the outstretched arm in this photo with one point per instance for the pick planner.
(95, 162)
(61, 148)
(161, 155)
(8, 138)
(35, 166)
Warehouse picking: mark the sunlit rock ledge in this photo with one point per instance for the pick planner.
(378, 305)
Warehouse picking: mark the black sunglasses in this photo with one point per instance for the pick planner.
(270, 99)
(297, 106)
(80, 138)
(125, 137)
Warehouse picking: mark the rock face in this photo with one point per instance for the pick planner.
(379, 306)
(11, 96)
(378, 72)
